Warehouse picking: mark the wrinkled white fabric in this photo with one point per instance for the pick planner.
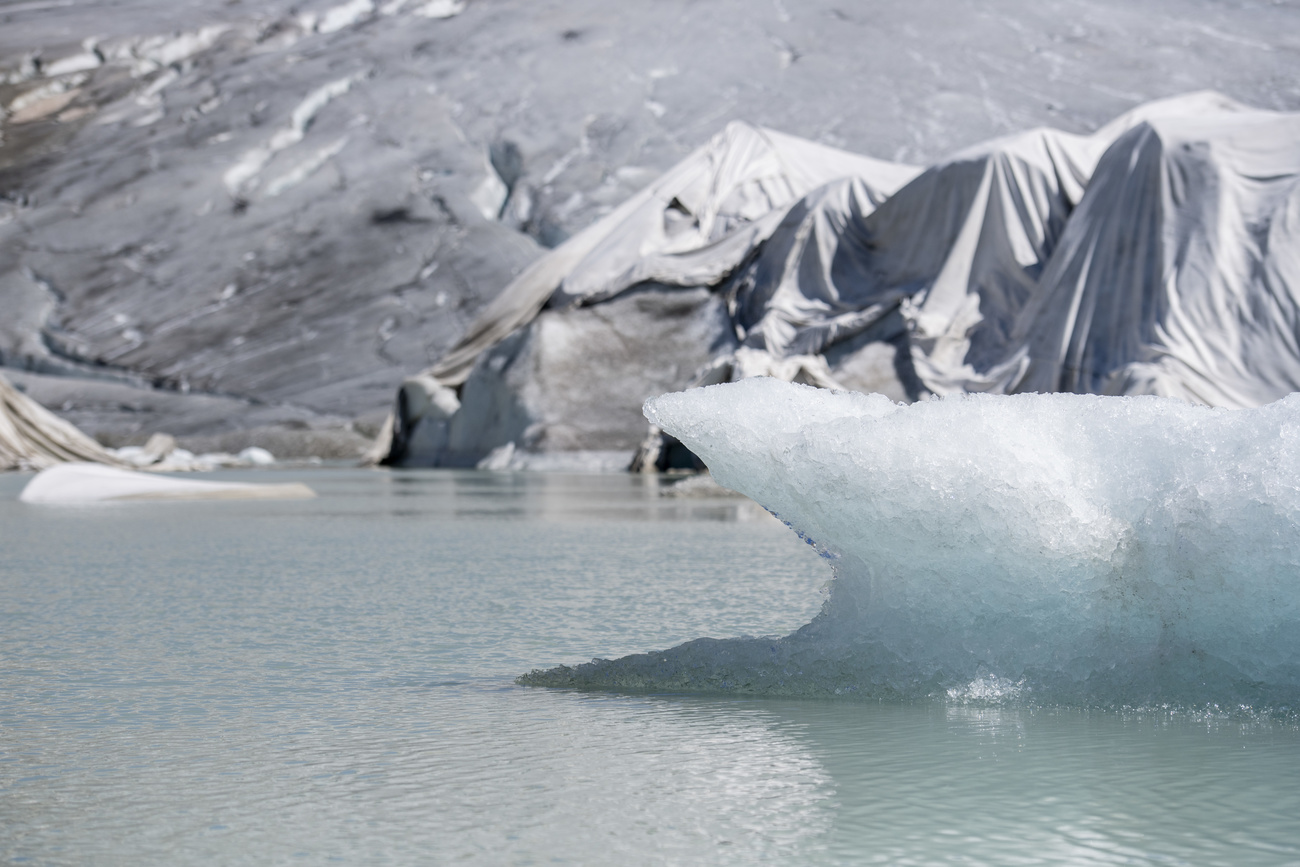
(1179, 274)
(1159, 255)
(33, 438)
(691, 227)
(77, 483)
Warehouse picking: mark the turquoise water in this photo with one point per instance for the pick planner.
(333, 681)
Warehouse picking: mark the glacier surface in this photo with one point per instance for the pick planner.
(1076, 548)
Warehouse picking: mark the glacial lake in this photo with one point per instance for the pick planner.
(332, 681)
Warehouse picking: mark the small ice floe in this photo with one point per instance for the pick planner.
(159, 446)
(256, 457)
(161, 454)
(702, 485)
(500, 458)
(96, 483)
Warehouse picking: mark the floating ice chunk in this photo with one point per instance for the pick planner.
(499, 458)
(93, 483)
(1121, 550)
(258, 457)
(134, 455)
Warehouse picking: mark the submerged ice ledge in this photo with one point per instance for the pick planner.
(1066, 547)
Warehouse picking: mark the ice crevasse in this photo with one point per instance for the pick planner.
(1078, 548)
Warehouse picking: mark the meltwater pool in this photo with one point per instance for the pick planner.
(333, 681)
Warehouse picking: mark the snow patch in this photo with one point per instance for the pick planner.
(250, 165)
(441, 9)
(305, 169)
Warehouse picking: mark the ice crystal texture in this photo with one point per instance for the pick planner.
(1102, 549)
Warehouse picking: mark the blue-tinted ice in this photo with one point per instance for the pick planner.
(1067, 547)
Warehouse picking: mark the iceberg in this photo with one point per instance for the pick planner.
(1069, 548)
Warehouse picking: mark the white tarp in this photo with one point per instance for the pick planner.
(1160, 255)
(33, 438)
(691, 227)
(1179, 274)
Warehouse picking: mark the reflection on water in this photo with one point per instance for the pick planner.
(332, 679)
(927, 784)
(535, 496)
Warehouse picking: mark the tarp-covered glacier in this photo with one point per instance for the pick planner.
(1159, 255)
